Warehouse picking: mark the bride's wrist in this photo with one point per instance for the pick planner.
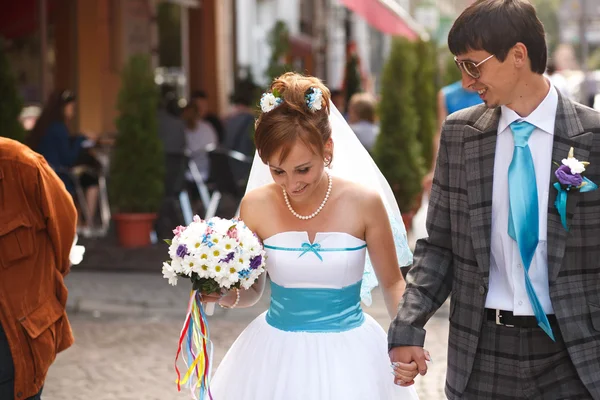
(232, 299)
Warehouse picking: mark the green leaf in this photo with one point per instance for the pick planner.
(168, 241)
(205, 285)
(276, 93)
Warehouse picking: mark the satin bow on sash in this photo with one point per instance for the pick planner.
(523, 217)
(311, 247)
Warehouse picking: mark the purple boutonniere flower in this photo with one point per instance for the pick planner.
(567, 177)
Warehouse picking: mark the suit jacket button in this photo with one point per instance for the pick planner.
(20, 394)
(482, 290)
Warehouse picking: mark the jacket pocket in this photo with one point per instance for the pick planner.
(595, 316)
(16, 240)
(40, 325)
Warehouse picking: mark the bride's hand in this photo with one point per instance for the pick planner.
(212, 298)
(406, 372)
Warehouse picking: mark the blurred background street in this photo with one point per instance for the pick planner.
(156, 100)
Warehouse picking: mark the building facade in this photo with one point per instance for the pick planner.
(83, 44)
(321, 32)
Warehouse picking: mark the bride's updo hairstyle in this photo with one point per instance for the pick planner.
(296, 107)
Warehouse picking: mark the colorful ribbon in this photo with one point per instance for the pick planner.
(194, 342)
(561, 198)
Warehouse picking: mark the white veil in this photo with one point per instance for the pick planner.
(352, 162)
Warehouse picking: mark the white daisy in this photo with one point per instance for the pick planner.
(170, 274)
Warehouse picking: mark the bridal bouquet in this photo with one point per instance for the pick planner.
(214, 255)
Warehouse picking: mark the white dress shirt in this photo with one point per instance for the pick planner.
(507, 280)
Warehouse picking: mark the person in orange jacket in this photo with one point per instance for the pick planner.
(37, 230)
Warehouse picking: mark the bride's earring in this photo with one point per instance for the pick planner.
(327, 161)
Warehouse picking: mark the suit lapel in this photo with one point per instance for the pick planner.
(568, 132)
(479, 149)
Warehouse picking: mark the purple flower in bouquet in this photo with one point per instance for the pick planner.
(228, 258)
(255, 262)
(182, 251)
(567, 177)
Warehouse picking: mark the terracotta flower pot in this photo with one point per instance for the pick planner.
(133, 230)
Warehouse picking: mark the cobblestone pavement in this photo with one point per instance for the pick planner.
(126, 328)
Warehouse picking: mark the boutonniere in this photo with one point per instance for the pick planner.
(570, 177)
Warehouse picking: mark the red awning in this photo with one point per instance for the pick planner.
(386, 16)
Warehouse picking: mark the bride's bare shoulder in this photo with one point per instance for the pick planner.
(258, 199)
(353, 190)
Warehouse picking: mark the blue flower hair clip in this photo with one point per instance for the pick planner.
(270, 101)
(314, 99)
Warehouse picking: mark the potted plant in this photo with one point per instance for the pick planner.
(10, 102)
(425, 93)
(136, 183)
(279, 42)
(398, 151)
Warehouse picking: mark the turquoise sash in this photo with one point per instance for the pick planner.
(315, 309)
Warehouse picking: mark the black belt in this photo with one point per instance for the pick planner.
(506, 318)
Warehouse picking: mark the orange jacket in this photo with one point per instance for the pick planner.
(37, 229)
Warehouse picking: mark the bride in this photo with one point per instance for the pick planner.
(331, 230)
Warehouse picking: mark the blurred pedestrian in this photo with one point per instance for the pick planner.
(171, 130)
(63, 150)
(338, 98)
(239, 128)
(239, 125)
(361, 117)
(558, 80)
(451, 98)
(200, 99)
(36, 235)
(199, 134)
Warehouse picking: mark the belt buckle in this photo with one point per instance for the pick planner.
(498, 322)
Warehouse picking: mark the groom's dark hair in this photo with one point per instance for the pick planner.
(496, 26)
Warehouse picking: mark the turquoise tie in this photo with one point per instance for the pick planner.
(523, 215)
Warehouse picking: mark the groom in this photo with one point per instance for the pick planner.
(525, 292)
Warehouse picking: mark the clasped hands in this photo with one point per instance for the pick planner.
(407, 363)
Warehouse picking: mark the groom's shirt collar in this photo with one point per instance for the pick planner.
(543, 117)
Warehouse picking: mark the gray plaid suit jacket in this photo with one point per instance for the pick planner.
(455, 258)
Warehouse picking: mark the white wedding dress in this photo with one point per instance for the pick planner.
(314, 342)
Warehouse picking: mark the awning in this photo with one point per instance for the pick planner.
(388, 17)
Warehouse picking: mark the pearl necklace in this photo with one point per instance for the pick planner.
(295, 214)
